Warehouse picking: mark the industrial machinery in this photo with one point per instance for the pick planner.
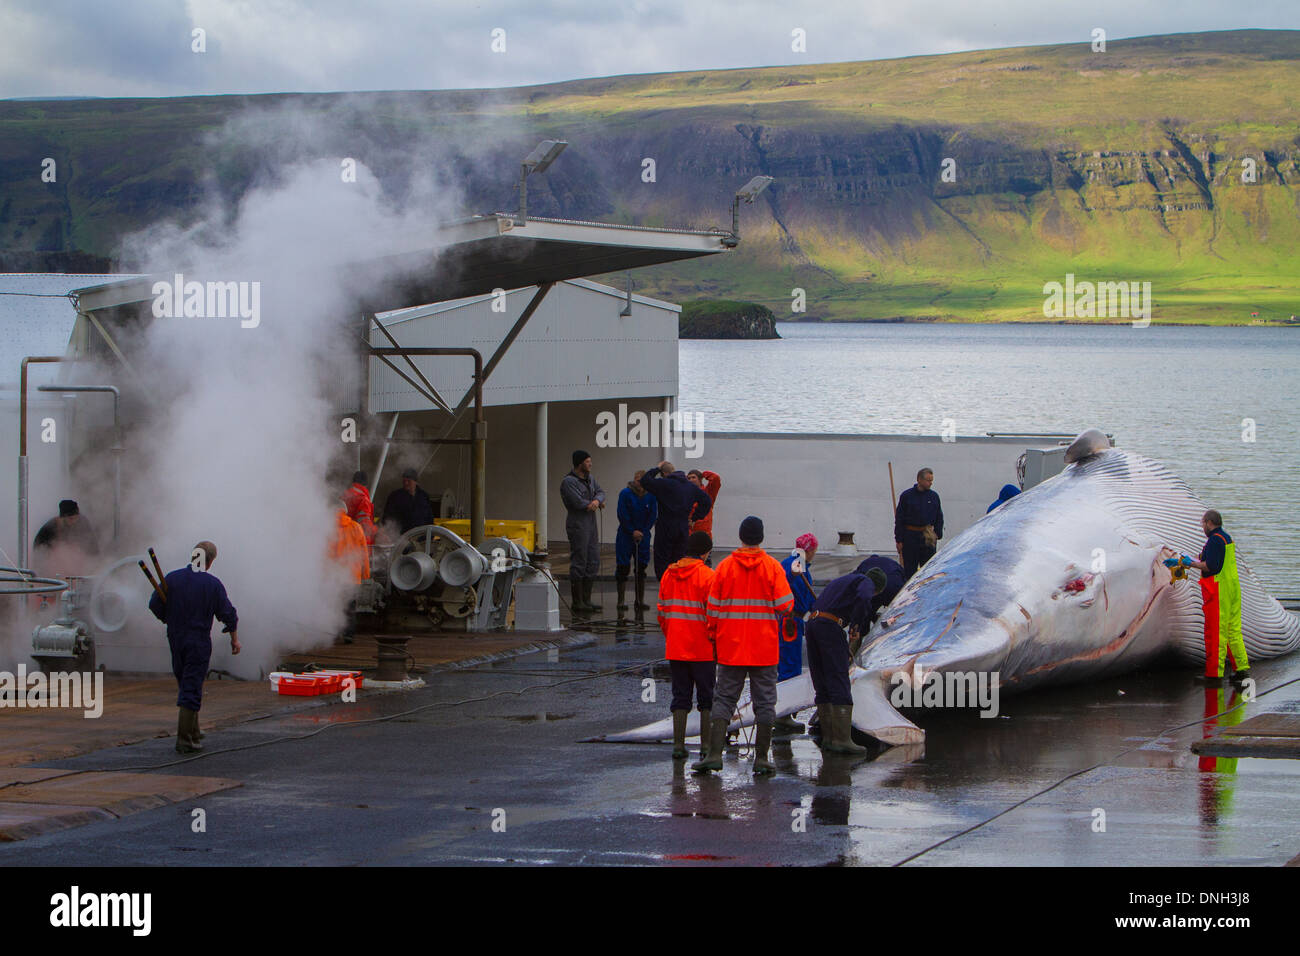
(432, 576)
(65, 644)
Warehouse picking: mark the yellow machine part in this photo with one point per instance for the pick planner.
(524, 533)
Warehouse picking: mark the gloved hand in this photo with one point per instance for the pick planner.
(789, 629)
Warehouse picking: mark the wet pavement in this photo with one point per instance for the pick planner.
(487, 766)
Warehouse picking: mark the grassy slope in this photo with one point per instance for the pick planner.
(1063, 156)
(1230, 95)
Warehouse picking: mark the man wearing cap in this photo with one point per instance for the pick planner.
(845, 605)
(66, 540)
(409, 506)
(894, 581)
(748, 595)
(194, 597)
(583, 497)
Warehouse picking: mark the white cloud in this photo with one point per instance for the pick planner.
(64, 47)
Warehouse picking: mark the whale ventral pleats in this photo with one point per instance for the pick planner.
(1089, 443)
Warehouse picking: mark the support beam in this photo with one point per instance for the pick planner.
(383, 456)
(429, 391)
(539, 508)
(477, 432)
(492, 363)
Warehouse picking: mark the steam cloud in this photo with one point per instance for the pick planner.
(237, 427)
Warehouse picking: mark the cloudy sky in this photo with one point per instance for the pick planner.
(144, 47)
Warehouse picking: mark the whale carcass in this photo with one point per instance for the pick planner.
(1063, 583)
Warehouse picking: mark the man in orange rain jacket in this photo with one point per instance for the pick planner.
(747, 598)
(350, 550)
(359, 506)
(712, 484)
(683, 596)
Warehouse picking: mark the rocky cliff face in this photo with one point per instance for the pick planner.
(726, 320)
(951, 186)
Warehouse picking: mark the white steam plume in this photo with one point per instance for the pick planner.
(242, 421)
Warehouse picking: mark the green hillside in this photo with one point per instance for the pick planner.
(1122, 166)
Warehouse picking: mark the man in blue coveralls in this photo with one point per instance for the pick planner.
(918, 523)
(637, 512)
(675, 495)
(843, 611)
(193, 598)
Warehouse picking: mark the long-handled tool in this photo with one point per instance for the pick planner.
(157, 590)
(162, 578)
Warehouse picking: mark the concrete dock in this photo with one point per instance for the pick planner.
(485, 765)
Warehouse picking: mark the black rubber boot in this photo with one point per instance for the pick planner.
(196, 734)
(1240, 677)
(586, 594)
(185, 742)
(824, 724)
(640, 593)
(577, 604)
(620, 583)
(679, 733)
(841, 741)
(763, 741)
(706, 718)
(717, 744)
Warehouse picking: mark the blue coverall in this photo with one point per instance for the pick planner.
(675, 495)
(791, 660)
(194, 598)
(894, 580)
(916, 509)
(849, 598)
(635, 513)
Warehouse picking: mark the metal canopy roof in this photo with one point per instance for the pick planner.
(477, 255)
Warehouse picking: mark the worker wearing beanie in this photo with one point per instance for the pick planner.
(683, 595)
(798, 571)
(845, 605)
(583, 497)
(748, 595)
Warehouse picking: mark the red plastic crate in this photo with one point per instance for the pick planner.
(301, 685)
(344, 675)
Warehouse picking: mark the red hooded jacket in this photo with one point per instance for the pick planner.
(748, 592)
(683, 594)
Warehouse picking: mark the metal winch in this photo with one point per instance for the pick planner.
(435, 575)
(66, 643)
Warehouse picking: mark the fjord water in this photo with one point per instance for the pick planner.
(1178, 394)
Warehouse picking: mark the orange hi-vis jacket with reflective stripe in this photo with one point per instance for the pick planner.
(683, 593)
(749, 589)
(349, 547)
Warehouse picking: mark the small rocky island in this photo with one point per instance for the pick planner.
(726, 319)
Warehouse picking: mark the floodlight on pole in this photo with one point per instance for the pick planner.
(748, 193)
(536, 162)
